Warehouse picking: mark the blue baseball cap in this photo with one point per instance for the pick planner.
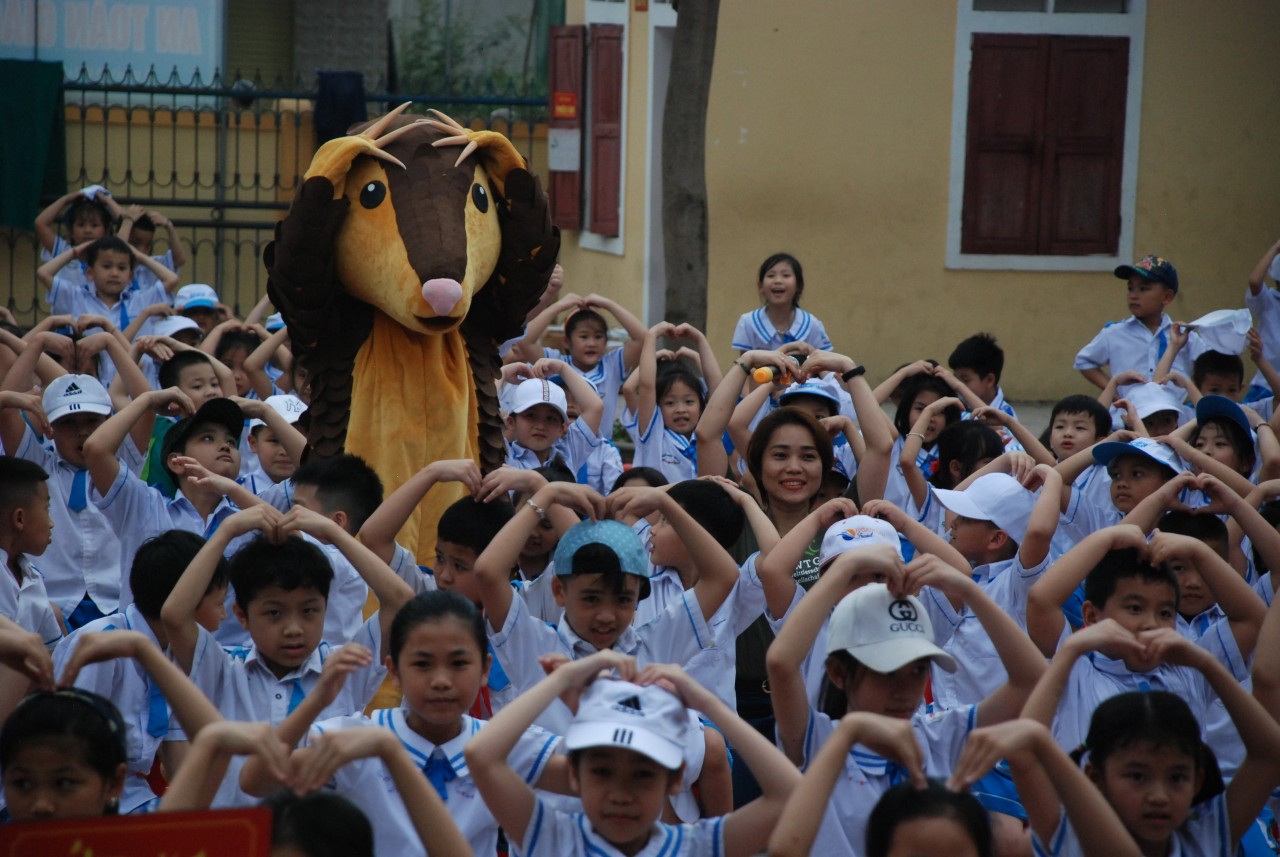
(1105, 453)
(1220, 406)
(614, 535)
(1156, 269)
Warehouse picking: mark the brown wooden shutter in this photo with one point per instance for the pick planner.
(1045, 145)
(565, 82)
(1002, 161)
(1084, 145)
(605, 60)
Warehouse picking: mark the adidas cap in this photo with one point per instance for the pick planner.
(648, 720)
(70, 394)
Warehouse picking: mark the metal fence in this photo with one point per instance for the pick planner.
(222, 160)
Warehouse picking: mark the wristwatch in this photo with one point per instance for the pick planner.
(853, 373)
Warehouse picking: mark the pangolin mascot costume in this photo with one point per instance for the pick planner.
(413, 248)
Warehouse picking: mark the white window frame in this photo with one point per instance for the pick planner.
(606, 12)
(1131, 25)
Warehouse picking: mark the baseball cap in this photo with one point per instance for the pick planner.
(824, 388)
(859, 531)
(1151, 398)
(648, 720)
(69, 394)
(220, 411)
(195, 296)
(882, 632)
(538, 391)
(286, 405)
(275, 321)
(995, 497)
(614, 535)
(1154, 268)
(1224, 330)
(1220, 406)
(174, 324)
(1105, 453)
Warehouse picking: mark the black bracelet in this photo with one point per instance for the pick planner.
(853, 373)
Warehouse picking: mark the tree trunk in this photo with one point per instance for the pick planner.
(684, 176)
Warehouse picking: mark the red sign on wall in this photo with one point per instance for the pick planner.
(564, 105)
(220, 833)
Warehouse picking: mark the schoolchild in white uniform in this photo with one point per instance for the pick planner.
(1264, 303)
(25, 530)
(280, 597)
(82, 565)
(276, 446)
(879, 647)
(90, 213)
(149, 726)
(176, 327)
(139, 229)
(539, 421)
(920, 392)
(1139, 341)
(780, 320)
(438, 657)
(978, 362)
(625, 745)
(669, 400)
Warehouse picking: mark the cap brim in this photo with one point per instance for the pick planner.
(564, 414)
(890, 655)
(199, 303)
(584, 736)
(1105, 453)
(84, 408)
(1220, 406)
(961, 504)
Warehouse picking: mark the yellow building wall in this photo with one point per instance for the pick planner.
(829, 133)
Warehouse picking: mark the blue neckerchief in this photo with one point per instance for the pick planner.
(296, 695)
(78, 499)
(212, 528)
(157, 711)
(439, 772)
(1163, 339)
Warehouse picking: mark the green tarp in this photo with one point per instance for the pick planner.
(33, 146)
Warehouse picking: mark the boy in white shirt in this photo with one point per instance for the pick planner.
(538, 420)
(25, 530)
(1138, 342)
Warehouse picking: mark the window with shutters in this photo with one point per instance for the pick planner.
(1044, 136)
(604, 129)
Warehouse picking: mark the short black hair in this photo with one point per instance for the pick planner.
(599, 559)
(321, 824)
(434, 606)
(292, 564)
(674, 371)
(555, 470)
(144, 223)
(1217, 363)
(979, 353)
(911, 390)
(172, 368)
(905, 804)
(158, 565)
(796, 269)
(966, 442)
(581, 317)
(111, 243)
(343, 483)
(1204, 528)
(473, 524)
(711, 507)
(19, 480)
(651, 476)
(1124, 564)
(1087, 405)
(237, 339)
(74, 716)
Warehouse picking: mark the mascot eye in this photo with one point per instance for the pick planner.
(480, 198)
(372, 194)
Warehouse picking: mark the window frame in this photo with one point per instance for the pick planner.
(1130, 25)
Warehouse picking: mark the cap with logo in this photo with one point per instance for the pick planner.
(995, 497)
(69, 394)
(538, 391)
(1154, 269)
(195, 296)
(286, 405)
(1105, 453)
(860, 531)
(827, 388)
(647, 720)
(882, 632)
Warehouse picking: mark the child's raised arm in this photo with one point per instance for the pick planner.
(1044, 516)
(873, 425)
(510, 799)
(46, 272)
(886, 387)
(171, 234)
(197, 780)
(255, 365)
(745, 411)
(529, 349)
(46, 220)
(1150, 509)
(712, 460)
(916, 481)
(590, 405)
(18, 381)
(101, 447)
(1208, 464)
(1023, 435)
(379, 530)
(168, 279)
(647, 373)
(636, 331)
(707, 362)
(775, 567)
(293, 441)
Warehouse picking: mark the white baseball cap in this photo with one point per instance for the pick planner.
(286, 405)
(995, 497)
(1151, 398)
(882, 632)
(823, 388)
(70, 394)
(1105, 453)
(538, 391)
(275, 321)
(860, 531)
(195, 296)
(174, 324)
(1224, 330)
(648, 720)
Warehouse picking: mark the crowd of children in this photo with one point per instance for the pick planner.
(698, 610)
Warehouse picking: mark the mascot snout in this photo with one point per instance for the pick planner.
(442, 294)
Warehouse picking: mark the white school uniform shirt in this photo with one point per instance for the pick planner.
(84, 555)
(659, 447)
(601, 468)
(672, 638)
(867, 776)
(1205, 833)
(127, 684)
(538, 594)
(419, 578)
(1128, 344)
(244, 688)
(755, 331)
(606, 376)
(552, 833)
(144, 278)
(68, 299)
(27, 603)
(70, 275)
(1265, 306)
(980, 671)
(366, 783)
(895, 490)
(137, 512)
(575, 447)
